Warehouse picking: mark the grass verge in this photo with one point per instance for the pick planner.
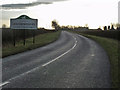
(111, 47)
(40, 40)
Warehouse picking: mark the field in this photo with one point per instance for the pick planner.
(109, 40)
(9, 36)
(114, 34)
(42, 37)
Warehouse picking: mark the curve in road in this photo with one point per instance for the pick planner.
(73, 61)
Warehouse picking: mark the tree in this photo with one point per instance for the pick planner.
(4, 26)
(55, 25)
(105, 27)
(99, 28)
(112, 27)
(108, 27)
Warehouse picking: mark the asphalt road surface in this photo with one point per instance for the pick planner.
(73, 61)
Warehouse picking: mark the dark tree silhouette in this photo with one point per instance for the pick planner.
(99, 28)
(112, 27)
(105, 27)
(108, 27)
(55, 25)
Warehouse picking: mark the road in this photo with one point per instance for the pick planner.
(73, 61)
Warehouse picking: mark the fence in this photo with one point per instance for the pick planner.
(12, 36)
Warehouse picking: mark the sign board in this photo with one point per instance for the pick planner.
(23, 22)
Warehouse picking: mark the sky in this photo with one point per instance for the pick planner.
(95, 13)
(119, 12)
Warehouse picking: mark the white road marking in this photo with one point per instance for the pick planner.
(61, 54)
(83, 37)
(25, 73)
(7, 82)
(93, 55)
(2, 84)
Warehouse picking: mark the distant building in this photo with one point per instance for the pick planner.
(23, 22)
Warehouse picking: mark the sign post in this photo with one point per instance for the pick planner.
(24, 23)
(33, 36)
(13, 37)
(24, 38)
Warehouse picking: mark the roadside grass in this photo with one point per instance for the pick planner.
(111, 47)
(40, 40)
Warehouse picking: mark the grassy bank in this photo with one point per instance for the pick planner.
(40, 40)
(114, 34)
(111, 47)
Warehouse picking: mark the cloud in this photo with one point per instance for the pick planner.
(25, 5)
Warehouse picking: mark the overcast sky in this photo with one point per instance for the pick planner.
(22, 4)
(119, 13)
(95, 13)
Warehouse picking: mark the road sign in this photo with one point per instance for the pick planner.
(23, 22)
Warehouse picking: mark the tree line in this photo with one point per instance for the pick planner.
(56, 26)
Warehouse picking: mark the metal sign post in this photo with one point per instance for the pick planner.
(13, 37)
(33, 36)
(24, 38)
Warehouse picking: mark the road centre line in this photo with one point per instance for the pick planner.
(61, 54)
(2, 84)
(8, 81)
(24, 73)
